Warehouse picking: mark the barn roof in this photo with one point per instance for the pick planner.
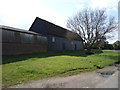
(17, 29)
(52, 29)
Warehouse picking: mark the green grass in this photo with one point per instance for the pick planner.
(22, 68)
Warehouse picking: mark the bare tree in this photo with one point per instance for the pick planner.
(92, 26)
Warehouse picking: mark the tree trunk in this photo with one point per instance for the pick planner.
(89, 50)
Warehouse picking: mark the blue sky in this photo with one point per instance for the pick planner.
(21, 13)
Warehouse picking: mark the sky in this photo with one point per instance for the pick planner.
(119, 21)
(22, 13)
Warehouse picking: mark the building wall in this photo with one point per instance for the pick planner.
(64, 39)
(58, 43)
(47, 28)
(0, 44)
(14, 42)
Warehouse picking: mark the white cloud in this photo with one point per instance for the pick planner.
(110, 5)
(103, 3)
(80, 6)
(114, 37)
(21, 13)
(112, 9)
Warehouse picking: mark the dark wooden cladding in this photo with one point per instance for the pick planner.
(16, 48)
(22, 42)
(44, 27)
(59, 39)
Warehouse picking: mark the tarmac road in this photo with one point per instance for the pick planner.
(102, 78)
(111, 82)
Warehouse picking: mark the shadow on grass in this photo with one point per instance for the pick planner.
(15, 58)
(112, 57)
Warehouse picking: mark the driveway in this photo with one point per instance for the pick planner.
(111, 82)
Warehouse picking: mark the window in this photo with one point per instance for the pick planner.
(53, 39)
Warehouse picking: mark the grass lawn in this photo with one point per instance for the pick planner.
(22, 68)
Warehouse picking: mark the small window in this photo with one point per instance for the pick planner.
(53, 39)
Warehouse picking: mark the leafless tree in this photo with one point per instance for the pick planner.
(92, 26)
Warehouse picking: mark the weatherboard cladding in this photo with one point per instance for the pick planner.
(58, 37)
(18, 41)
(63, 44)
(43, 36)
(47, 28)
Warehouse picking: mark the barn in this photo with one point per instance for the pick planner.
(42, 36)
(19, 41)
(58, 38)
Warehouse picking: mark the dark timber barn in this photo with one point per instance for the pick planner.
(58, 38)
(19, 41)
